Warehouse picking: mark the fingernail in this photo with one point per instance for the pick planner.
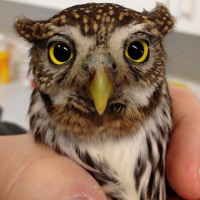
(78, 197)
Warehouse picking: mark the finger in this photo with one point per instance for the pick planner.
(183, 157)
(31, 171)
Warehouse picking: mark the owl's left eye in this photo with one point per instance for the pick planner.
(59, 53)
(137, 51)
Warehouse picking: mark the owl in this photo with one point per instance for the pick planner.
(101, 97)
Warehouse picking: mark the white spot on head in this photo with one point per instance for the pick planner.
(139, 95)
(83, 43)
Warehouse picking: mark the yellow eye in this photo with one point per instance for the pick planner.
(59, 53)
(137, 51)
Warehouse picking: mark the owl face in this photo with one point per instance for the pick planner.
(98, 58)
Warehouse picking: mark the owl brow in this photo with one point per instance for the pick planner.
(137, 35)
(63, 36)
(140, 34)
(66, 37)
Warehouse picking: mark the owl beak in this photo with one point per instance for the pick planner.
(100, 89)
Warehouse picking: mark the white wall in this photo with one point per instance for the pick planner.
(61, 4)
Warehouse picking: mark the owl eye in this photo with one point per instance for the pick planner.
(137, 51)
(59, 53)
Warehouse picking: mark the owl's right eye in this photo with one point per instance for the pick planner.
(59, 53)
(137, 51)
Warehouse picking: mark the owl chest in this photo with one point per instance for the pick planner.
(128, 169)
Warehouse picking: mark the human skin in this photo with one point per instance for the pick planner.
(32, 171)
(183, 157)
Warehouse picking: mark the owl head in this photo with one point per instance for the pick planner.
(99, 59)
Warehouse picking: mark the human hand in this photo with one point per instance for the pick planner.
(183, 157)
(31, 171)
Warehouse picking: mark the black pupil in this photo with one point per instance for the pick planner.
(62, 52)
(136, 50)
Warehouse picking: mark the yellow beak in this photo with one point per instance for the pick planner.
(100, 89)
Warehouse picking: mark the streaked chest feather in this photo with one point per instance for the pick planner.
(131, 167)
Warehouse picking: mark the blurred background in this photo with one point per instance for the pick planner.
(182, 46)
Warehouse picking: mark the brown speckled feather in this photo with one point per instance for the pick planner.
(90, 17)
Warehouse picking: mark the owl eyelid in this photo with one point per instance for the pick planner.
(60, 40)
(141, 35)
(138, 36)
(127, 43)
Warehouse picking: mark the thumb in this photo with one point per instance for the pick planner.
(183, 157)
(31, 171)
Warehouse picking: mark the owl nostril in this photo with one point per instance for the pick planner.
(85, 68)
(114, 67)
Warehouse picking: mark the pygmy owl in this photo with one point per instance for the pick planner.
(101, 96)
